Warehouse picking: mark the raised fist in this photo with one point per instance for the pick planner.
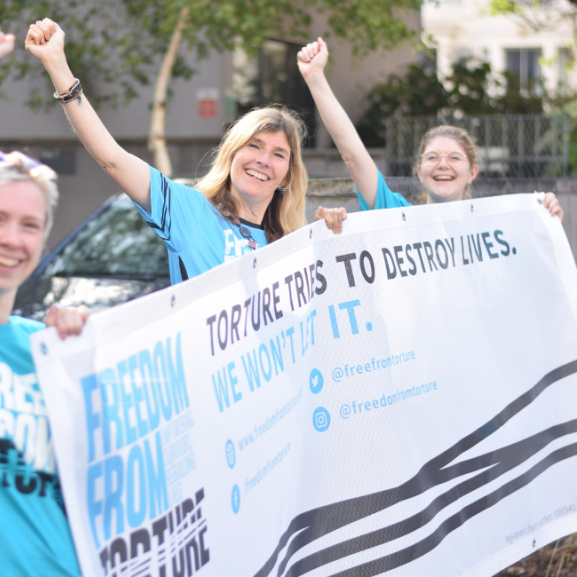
(313, 57)
(45, 40)
(6, 43)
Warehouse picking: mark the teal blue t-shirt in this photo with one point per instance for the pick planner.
(196, 235)
(384, 198)
(35, 538)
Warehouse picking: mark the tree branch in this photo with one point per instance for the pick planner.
(157, 135)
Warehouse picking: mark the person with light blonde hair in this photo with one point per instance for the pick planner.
(34, 530)
(16, 167)
(253, 194)
(446, 164)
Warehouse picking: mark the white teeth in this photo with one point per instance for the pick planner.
(258, 175)
(7, 261)
(443, 178)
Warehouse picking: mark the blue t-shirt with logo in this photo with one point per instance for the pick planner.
(35, 537)
(384, 197)
(196, 235)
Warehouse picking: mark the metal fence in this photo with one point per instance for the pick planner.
(508, 145)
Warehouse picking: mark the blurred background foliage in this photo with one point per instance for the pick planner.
(115, 46)
(472, 89)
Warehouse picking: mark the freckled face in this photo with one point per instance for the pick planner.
(22, 223)
(445, 181)
(260, 167)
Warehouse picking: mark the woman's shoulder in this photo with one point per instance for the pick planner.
(25, 325)
(165, 184)
(385, 197)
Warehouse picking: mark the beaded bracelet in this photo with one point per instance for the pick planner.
(74, 92)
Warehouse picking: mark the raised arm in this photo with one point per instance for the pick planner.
(45, 40)
(312, 60)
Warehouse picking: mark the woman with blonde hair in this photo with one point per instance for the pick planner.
(446, 163)
(34, 530)
(253, 194)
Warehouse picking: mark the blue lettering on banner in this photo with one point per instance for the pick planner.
(121, 484)
(349, 306)
(124, 406)
(123, 417)
(262, 363)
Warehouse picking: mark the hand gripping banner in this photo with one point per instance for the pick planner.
(397, 400)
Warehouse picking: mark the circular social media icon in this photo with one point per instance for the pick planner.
(316, 381)
(321, 419)
(230, 454)
(235, 499)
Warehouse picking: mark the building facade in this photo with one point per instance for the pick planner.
(466, 28)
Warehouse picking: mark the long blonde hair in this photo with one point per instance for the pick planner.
(457, 134)
(286, 211)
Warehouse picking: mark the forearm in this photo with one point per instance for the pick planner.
(357, 158)
(129, 172)
(90, 130)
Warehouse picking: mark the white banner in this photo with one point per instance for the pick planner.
(398, 399)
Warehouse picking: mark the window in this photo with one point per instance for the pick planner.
(428, 60)
(564, 63)
(273, 78)
(524, 63)
(463, 53)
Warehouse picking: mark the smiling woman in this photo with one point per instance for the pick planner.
(258, 173)
(254, 193)
(31, 505)
(446, 164)
(28, 195)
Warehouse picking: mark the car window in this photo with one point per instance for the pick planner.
(118, 243)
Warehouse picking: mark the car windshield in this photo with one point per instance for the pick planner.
(117, 243)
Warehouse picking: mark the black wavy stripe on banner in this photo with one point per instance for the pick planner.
(389, 562)
(316, 523)
(506, 459)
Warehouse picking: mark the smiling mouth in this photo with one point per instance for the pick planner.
(257, 175)
(7, 261)
(443, 178)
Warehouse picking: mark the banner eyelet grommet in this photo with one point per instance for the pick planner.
(254, 263)
(404, 216)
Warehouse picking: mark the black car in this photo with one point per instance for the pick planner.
(111, 258)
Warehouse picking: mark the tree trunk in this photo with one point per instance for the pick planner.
(157, 135)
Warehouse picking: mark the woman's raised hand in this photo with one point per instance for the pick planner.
(313, 57)
(45, 40)
(6, 43)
